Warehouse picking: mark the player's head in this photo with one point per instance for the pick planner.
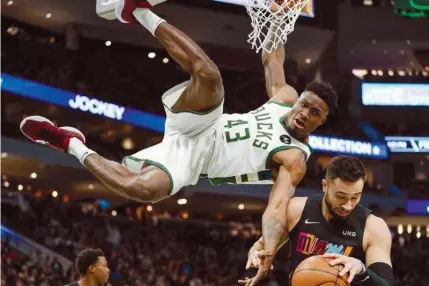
(311, 109)
(92, 264)
(343, 185)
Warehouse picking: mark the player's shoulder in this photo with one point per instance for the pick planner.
(286, 95)
(377, 228)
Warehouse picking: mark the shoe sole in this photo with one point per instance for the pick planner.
(43, 119)
(38, 119)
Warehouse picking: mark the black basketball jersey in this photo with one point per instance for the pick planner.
(314, 235)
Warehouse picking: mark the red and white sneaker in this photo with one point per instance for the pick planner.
(125, 8)
(41, 130)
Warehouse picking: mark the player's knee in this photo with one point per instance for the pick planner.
(206, 71)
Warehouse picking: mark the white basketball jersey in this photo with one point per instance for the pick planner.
(248, 143)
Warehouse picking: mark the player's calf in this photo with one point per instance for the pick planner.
(149, 185)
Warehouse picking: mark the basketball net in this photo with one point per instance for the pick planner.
(272, 22)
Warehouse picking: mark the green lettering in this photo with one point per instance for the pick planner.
(264, 116)
(260, 144)
(264, 134)
(259, 125)
(232, 123)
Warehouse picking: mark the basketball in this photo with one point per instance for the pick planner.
(316, 270)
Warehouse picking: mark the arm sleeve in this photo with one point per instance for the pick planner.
(378, 274)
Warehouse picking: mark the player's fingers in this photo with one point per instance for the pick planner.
(250, 281)
(346, 269)
(352, 275)
(260, 254)
(330, 255)
(337, 261)
(243, 281)
(249, 262)
(255, 261)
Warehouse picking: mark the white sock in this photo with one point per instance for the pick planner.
(79, 150)
(148, 19)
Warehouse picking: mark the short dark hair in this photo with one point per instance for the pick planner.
(86, 258)
(347, 168)
(325, 91)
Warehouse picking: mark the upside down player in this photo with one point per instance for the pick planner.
(200, 140)
(336, 225)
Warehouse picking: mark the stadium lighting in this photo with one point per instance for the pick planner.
(33, 175)
(380, 72)
(359, 73)
(20, 187)
(367, 2)
(108, 43)
(48, 16)
(6, 184)
(241, 207)
(91, 186)
(151, 55)
(308, 61)
(9, 3)
(182, 201)
(418, 234)
(114, 213)
(185, 215)
(54, 194)
(149, 208)
(409, 228)
(400, 229)
(390, 73)
(4, 155)
(373, 72)
(165, 60)
(128, 143)
(401, 73)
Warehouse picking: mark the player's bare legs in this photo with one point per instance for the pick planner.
(204, 92)
(205, 89)
(149, 185)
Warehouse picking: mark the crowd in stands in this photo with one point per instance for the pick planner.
(157, 248)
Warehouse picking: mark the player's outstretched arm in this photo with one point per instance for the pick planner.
(294, 213)
(274, 219)
(275, 80)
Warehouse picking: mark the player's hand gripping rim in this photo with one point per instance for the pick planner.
(352, 265)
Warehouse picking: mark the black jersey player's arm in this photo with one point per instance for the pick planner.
(275, 80)
(377, 270)
(378, 242)
(274, 220)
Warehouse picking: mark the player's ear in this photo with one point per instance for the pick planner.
(324, 185)
(91, 268)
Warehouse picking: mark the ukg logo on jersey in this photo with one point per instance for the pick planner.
(309, 244)
(96, 106)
